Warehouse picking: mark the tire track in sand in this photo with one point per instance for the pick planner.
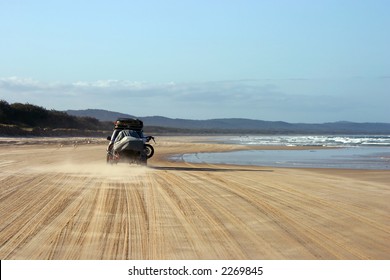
(76, 207)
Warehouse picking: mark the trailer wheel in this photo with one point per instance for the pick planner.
(149, 150)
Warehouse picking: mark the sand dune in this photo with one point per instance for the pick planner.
(61, 201)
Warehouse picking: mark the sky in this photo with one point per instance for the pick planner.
(284, 60)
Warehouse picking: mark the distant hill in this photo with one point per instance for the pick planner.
(32, 120)
(238, 125)
(101, 115)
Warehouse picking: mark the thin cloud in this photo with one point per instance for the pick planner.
(294, 101)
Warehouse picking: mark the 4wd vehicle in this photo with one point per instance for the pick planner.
(128, 143)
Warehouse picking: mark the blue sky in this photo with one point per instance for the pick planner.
(295, 61)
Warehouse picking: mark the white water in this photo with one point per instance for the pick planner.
(311, 140)
(354, 152)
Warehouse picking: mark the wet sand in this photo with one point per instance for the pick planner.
(61, 201)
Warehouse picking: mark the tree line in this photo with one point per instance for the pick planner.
(28, 115)
(19, 119)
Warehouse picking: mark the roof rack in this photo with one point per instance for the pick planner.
(129, 123)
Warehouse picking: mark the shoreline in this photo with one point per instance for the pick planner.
(192, 145)
(201, 146)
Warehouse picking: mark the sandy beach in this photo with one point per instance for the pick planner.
(62, 201)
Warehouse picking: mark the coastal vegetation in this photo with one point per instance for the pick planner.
(24, 119)
(20, 119)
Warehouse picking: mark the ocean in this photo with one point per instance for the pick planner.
(351, 152)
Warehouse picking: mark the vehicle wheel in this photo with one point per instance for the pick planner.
(149, 150)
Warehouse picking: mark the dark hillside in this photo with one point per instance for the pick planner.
(28, 119)
(101, 115)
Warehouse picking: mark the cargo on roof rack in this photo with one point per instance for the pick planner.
(129, 123)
